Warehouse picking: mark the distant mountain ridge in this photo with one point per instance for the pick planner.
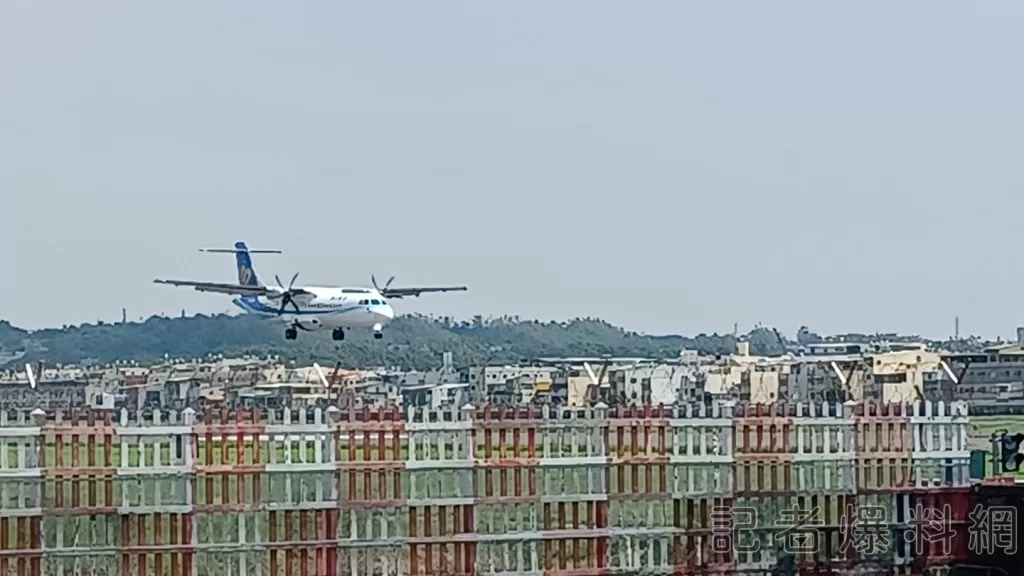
(411, 341)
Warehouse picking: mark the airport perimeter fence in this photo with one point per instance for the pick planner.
(486, 491)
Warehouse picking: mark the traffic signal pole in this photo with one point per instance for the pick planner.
(997, 450)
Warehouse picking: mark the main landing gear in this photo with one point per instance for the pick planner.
(292, 331)
(377, 335)
(338, 334)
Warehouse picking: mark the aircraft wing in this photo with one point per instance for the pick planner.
(299, 295)
(406, 292)
(236, 289)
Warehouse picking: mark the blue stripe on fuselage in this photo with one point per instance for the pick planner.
(253, 305)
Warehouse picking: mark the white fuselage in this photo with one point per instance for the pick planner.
(328, 308)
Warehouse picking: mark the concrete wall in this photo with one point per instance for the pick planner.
(664, 382)
(721, 379)
(577, 389)
(764, 387)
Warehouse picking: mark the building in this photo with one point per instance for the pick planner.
(992, 380)
(510, 384)
(745, 377)
(900, 376)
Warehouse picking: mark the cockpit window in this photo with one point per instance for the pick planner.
(375, 302)
(364, 302)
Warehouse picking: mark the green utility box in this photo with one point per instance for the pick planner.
(979, 462)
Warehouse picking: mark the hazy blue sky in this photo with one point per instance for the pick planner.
(672, 166)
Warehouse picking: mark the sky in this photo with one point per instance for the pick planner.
(669, 166)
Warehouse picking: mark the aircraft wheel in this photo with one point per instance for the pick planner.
(291, 334)
(378, 335)
(338, 334)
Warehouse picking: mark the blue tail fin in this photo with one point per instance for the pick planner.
(246, 274)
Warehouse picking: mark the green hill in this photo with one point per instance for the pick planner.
(409, 342)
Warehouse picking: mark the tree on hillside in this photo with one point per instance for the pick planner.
(410, 341)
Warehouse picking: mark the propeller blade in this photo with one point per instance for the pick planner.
(292, 283)
(373, 280)
(278, 278)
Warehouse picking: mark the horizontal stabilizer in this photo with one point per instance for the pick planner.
(237, 251)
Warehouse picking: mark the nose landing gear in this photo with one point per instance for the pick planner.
(377, 335)
(338, 334)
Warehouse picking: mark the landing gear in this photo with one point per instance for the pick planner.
(338, 334)
(377, 335)
(291, 334)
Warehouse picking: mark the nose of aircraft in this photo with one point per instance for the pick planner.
(386, 311)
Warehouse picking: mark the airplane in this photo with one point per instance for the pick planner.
(308, 308)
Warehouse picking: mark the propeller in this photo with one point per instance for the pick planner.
(286, 293)
(386, 284)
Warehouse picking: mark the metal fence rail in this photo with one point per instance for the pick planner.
(491, 490)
